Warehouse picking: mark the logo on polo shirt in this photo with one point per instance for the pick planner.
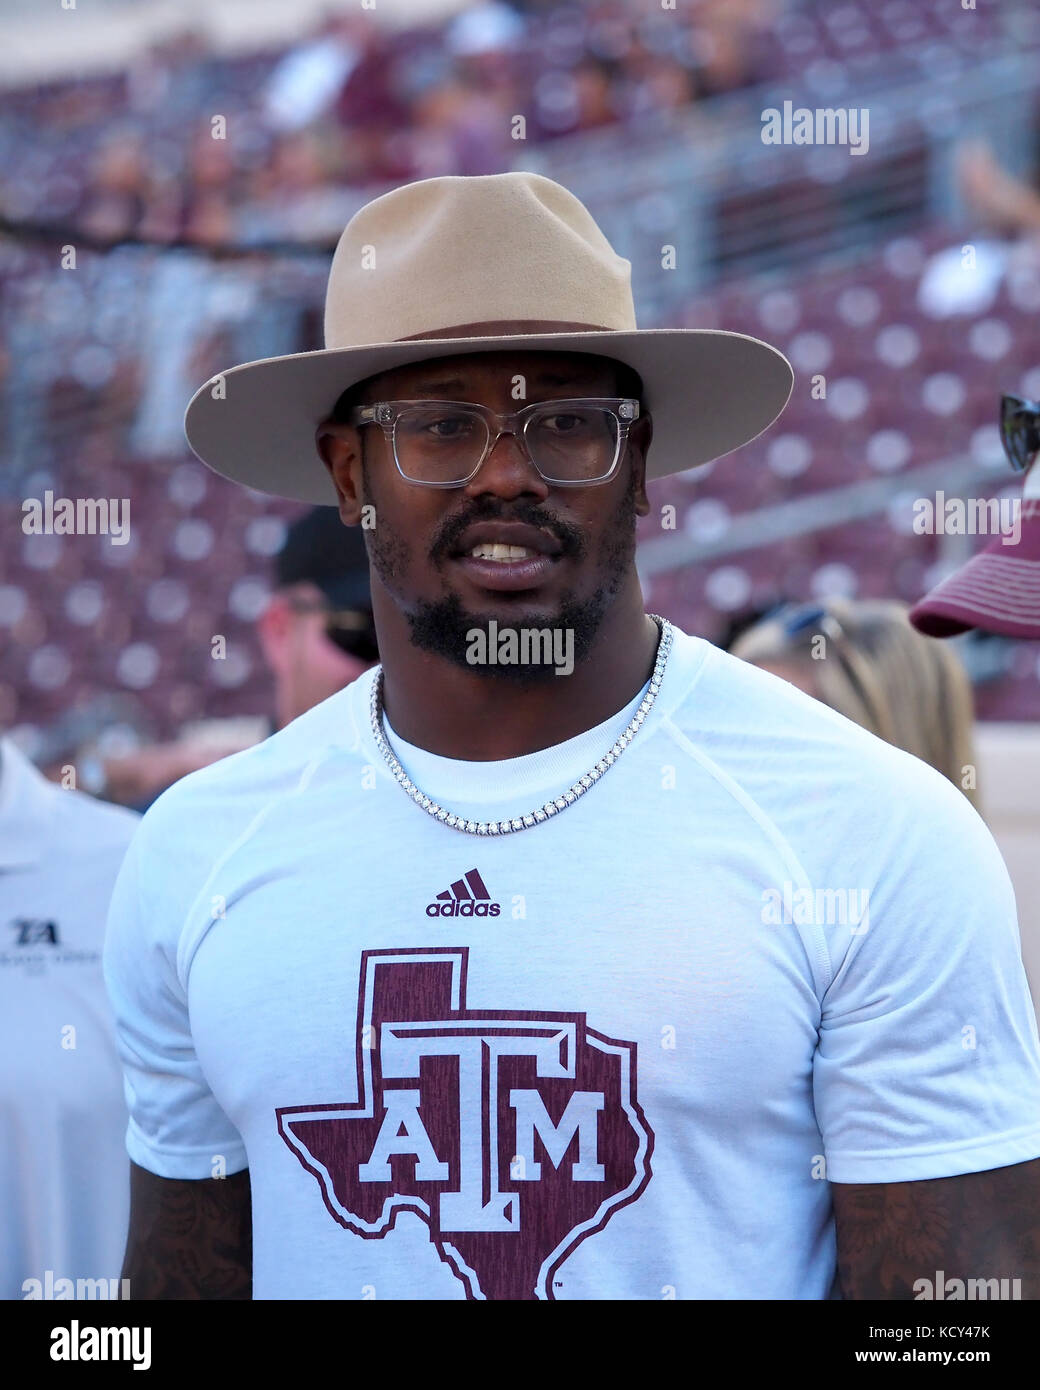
(466, 897)
(35, 931)
(38, 943)
(513, 1134)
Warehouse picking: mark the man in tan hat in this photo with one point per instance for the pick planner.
(560, 956)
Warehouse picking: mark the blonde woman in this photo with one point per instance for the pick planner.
(865, 660)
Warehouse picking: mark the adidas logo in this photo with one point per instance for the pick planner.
(467, 897)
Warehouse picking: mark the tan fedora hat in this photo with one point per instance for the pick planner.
(494, 262)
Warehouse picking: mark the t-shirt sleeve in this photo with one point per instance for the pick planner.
(177, 1129)
(928, 1063)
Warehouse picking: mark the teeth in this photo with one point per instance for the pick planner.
(487, 550)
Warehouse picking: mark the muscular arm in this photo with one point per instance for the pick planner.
(975, 1226)
(189, 1239)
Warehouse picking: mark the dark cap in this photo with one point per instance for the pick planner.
(320, 550)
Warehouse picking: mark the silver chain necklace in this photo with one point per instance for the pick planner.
(550, 808)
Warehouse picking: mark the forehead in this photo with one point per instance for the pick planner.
(483, 370)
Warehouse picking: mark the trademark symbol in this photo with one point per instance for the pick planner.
(557, 1283)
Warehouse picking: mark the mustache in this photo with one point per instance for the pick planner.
(570, 537)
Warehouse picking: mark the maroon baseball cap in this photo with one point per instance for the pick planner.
(998, 590)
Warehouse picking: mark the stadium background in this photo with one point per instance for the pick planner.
(193, 254)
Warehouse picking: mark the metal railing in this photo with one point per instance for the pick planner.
(704, 182)
(821, 510)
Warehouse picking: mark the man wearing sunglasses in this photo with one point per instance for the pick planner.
(998, 590)
(482, 982)
(317, 631)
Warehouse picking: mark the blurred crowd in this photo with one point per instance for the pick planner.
(351, 105)
(96, 367)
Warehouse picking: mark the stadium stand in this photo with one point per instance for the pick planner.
(97, 366)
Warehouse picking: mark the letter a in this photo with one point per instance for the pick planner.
(402, 1113)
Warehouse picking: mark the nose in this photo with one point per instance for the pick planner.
(508, 472)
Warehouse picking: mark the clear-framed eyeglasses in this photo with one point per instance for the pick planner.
(572, 443)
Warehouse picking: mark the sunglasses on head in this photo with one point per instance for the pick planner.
(353, 633)
(350, 629)
(1020, 431)
(798, 618)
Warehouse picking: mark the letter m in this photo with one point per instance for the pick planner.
(984, 1288)
(833, 905)
(115, 1343)
(580, 1117)
(94, 514)
(835, 126)
(984, 513)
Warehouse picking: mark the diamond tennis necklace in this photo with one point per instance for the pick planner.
(550, 808)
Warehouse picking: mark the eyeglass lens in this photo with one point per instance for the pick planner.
(438, 443)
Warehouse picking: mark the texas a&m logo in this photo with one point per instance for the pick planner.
(514, 1135)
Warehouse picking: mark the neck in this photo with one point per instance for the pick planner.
(438, 706)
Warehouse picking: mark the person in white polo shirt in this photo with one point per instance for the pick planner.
(63, 1116)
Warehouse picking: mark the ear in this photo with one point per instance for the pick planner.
(639, 437)
(339, 448)
(272, 628)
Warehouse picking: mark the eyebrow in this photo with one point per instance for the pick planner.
(547, 378)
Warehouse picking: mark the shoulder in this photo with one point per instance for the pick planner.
(213, 805)
(192, 829)
(93, 826)
(812, 771)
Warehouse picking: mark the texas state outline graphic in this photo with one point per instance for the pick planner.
(515, 1135)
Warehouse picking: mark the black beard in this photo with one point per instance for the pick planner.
(442, 626)
(445, 629)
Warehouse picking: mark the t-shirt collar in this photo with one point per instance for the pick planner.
(533, 776)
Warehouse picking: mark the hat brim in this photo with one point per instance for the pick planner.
(997, 590)
(709, 392)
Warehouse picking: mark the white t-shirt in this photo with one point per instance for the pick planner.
(763, 951)
(64, 1176)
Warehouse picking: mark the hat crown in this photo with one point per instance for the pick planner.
(445, 252)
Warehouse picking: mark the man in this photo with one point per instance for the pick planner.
(317, 631)
(998, 591)
(317, 636)
(653, 979)
(62, 1171)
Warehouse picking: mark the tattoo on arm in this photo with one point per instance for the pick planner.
(977, 1226)
(189, 1240)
